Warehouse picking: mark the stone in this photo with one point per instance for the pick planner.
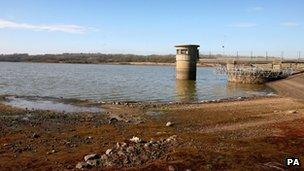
(130, 149)
(35, 135)
(168, 124)
(113, 120)
(91, 157)
(171, 138)
(94, 162)
(148, 144)
(171, 168)
(118, 145)
(123, 144)
(292, 112)
(108, 151)
(135, 139)
(121, 153)
(130, 154)
(104, 157)
(126, 161)
(83, 165)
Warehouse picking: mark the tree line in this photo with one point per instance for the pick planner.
(97, 58)
(87, 58)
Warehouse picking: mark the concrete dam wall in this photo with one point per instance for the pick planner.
(261, 72)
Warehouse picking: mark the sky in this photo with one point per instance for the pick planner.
(151, 26)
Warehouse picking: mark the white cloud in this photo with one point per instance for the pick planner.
(257, 8)
(243, 25)
(67, 28)
(290, 24)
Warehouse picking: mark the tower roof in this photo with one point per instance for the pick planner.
(187, 45)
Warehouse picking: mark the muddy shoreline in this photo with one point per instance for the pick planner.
(254, 133)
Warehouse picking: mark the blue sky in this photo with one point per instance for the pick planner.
(150, 26)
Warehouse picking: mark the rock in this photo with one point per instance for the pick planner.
(121, 153)
(69, 167)
(104, 157)
(35, 135)
(171, 168)
(83, 165)
(126, 161)
(169, 124)
(159, 133)
(108, 151)
(113, 120)
(91, 157)
(129, 154)
(171, 138)
(130, 149)
(292, 112)
(95, 162)
(51, 152)
(135, 139)
(148, 144)
(123, 144)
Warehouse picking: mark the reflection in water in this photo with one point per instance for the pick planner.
(186, 90)
(250, 89)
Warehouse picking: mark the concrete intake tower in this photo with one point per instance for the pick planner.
(186, 59)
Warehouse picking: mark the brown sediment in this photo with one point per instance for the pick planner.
(252, 134)
(292, 86)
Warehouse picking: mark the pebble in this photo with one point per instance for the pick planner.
(104, 157)
(93, 162)
(292, 112)
(113, 120)
(121, 145)
(171, 168)
(135, 139)
(82, 165)
(91, 157)
(108, 151)
(172, 138)
(35, 135)
(168, 124)
(51, 152)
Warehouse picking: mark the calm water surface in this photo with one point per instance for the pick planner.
(117, 82)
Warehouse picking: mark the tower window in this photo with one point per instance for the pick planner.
(184, 51)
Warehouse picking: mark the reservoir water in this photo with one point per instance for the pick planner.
(117, 83)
